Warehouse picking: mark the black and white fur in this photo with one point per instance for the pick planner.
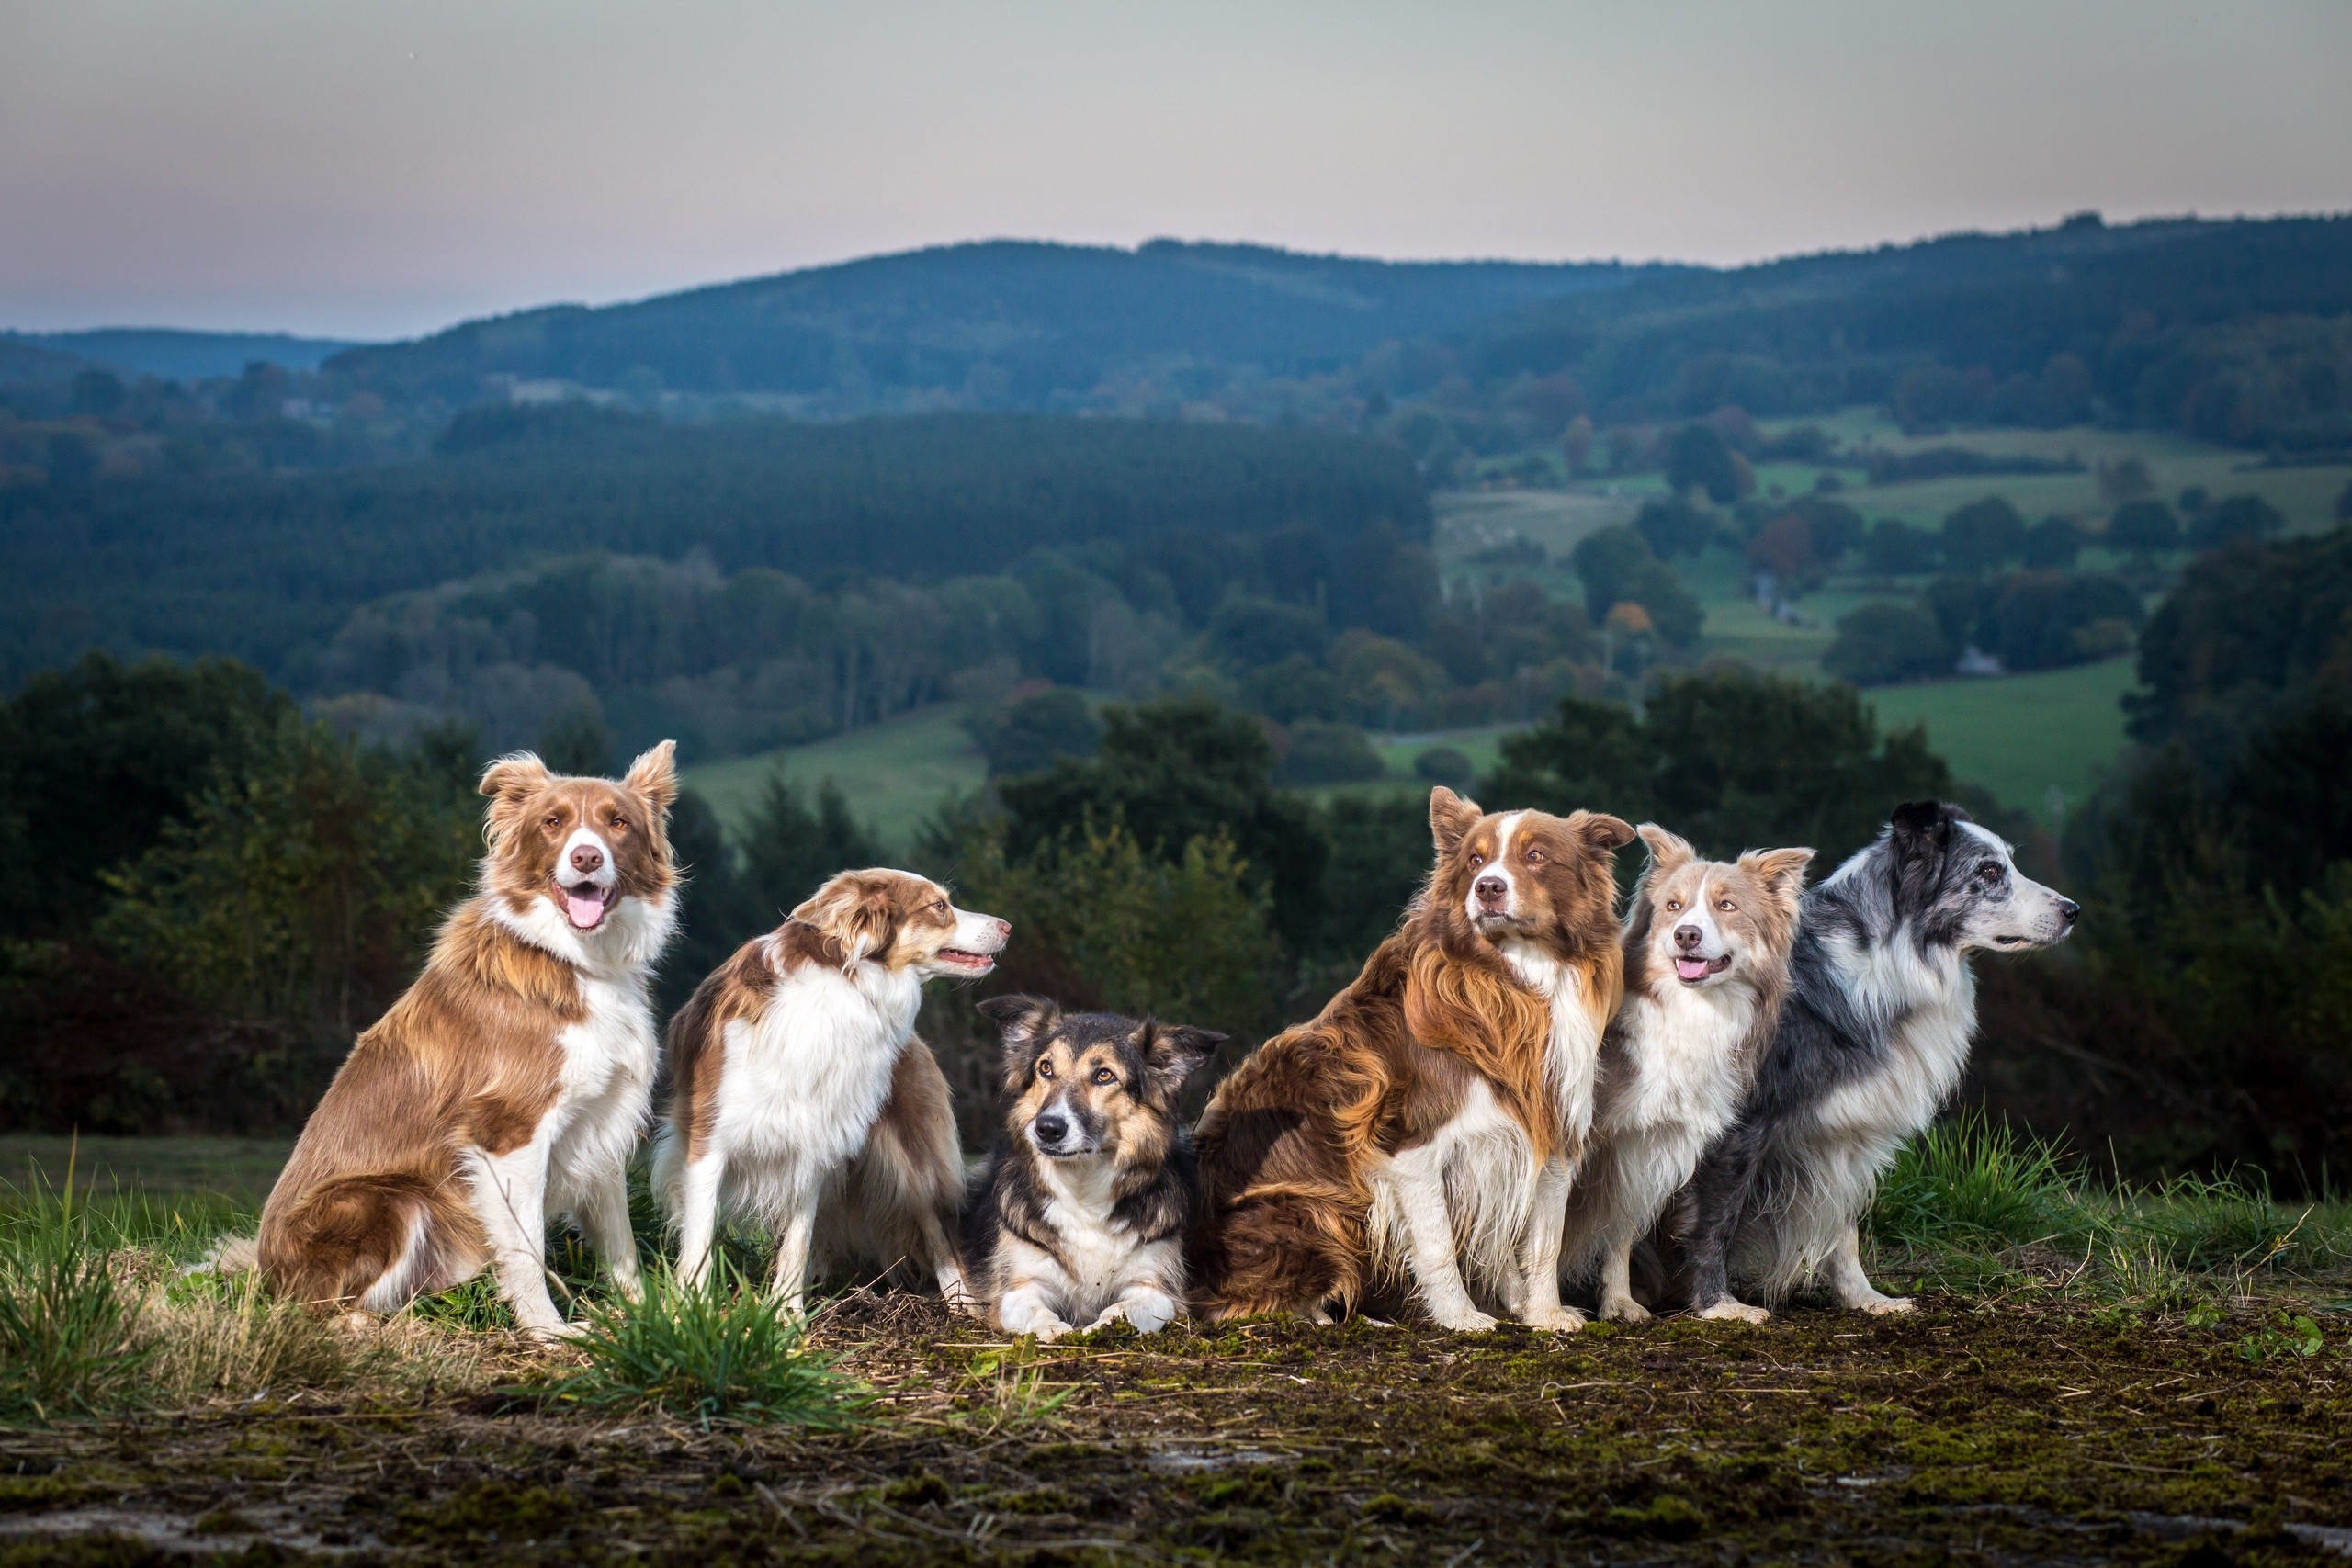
(1077, 1219)
(1874, 1036)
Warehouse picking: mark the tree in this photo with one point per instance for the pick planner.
(1697, 458)
(718, 911)
(1674, 528)
(2053, 543)
(2144, 526)
(1984, 535)
(2343, 503)
(1605, 559)
(1782, 550)
(1733, 759)
(2125, 480)
(1673, 609)
(1175, 770)
(576, 741)
(1895, 548)
(1033, 731)
(2044, 620)
(790, 847)
(1248, 633)
(2223, 523)
(1329, 754)
(1884, 642)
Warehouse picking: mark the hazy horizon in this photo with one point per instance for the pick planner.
(258, 165)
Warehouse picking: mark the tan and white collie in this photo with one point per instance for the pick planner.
(512, 1081)
(1707, 948)
(802, 1098)
(1431, 1115)
(1078, 1218)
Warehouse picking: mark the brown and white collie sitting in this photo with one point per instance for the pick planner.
(1707, 946)
(1426, 1122)
(802, 1098)
(512, 1081)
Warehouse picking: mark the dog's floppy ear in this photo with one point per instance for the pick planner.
(1025, 1022)
(1173, 1051)
(859, 913)
(1601, 832)
(509, 782)
(1780, 871)
(655, 775)
(1451, 818)
(1669, 851)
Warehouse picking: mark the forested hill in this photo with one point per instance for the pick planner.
(998, 324)
(268, 566)
(2235, 332)
(183, 356)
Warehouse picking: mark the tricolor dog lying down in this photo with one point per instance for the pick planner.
(1421, 1130)
(1706, 965)
(1874, 1036)
(1078, 1218)
(801, 1097)
(511, 1080)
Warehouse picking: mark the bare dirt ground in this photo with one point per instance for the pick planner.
(1977, 1432)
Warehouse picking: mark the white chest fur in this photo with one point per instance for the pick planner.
(1575, 1046)
(1680, 1050)
(803, 1082)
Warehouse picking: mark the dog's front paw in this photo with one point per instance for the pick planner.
(1115, 1313)
(556, 1333)
(1624, 1309)
(1045, 1330)
(1556, 1320)
(1885, 1306)
(1468, 1321)
(1730, 1311)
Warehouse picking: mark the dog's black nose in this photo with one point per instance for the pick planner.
(1490, 889)
(587, 858)
(2069, 911)
(1051, 1128)
(1686, 936)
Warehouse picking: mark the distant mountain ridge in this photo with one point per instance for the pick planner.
(179, 353)
(998, 324)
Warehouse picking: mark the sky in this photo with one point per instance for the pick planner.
(381, 171)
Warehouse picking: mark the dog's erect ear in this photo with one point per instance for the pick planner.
(1780, 871)
(1919, 832)
(655, 775)
(510, 782)
(1669, 851)
(1601, 832)
(1026, 1022)
(1929, 821)
(858, 911)
(1451, 818)
(1174, 1050)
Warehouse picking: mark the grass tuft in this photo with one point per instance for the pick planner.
(1967, 1182)
(708, 1354)
(70, 1339)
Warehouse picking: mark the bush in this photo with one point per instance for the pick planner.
(1443, 765)
(1883, 642)
(1329, 754)
(1895, 548)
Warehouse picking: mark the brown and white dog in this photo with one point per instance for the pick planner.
(1078, 1218)
(512, 1081)
(801, 1097)
(1432, 1114)
(1707, 946)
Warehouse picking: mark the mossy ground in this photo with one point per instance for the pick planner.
(2015, 1425)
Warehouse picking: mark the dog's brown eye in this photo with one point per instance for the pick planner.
(1476, 859)
(1535, 857)
(1045, 1069)
(939, 907)
(1105, 1076)
(619, 820)
(1724, 904)
(555, 819)
(1672, 905)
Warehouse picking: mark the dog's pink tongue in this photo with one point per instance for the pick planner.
(585, 905)
(1691, 968)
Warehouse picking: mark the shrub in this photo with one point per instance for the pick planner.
(1330, 753)
(1884, 641)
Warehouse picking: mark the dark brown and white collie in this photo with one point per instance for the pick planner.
(1426, 1123)
(1707, 947)
(1078, 1218)
(512, 1080)
(803, 1100)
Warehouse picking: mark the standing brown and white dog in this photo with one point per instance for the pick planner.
(1432, 1114)
(1707, 947)
(802, 1098)
(512, 1079)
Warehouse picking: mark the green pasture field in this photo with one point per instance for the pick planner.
(2020, 736)
(235, 1170)
(894, 773)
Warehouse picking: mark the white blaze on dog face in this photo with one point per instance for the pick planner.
(581, 844)
(1522, 873)
(904, 921)
(1700, 921)
(2002, 907)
